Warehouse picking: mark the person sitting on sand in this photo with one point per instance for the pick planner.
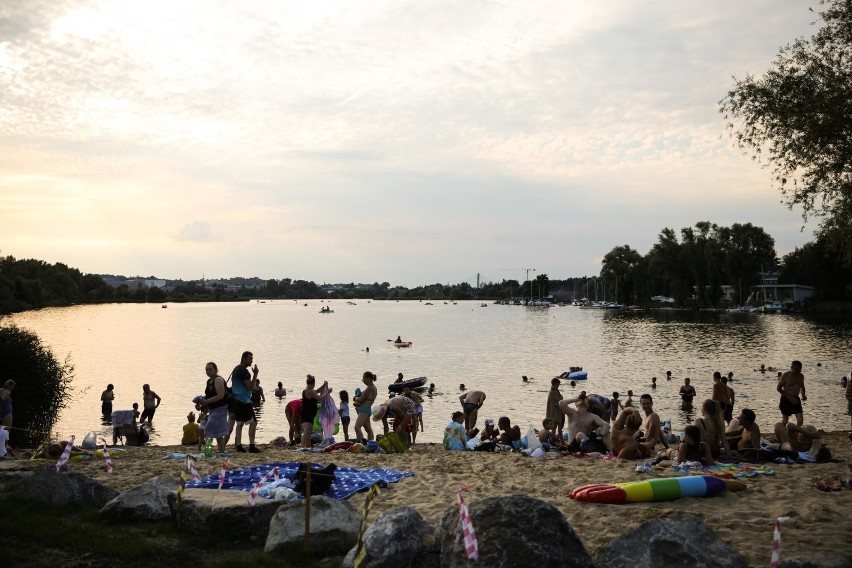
(581, 423)
(744, 432)
(547, 432)
(712, 428)
(490, 433)
(691, 449)
(653, 426)
(509, 433)
(190, 431)
(623, 436)
(455, 436)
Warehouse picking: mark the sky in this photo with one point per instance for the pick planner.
(405, 141)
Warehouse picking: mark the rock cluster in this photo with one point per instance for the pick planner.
(508, 529)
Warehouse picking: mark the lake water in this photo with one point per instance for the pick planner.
(486, 348)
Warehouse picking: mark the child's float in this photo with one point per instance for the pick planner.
(660, 489)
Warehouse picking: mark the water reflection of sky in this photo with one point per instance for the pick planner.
(485, 348)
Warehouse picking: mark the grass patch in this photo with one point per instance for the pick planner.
(36, 535)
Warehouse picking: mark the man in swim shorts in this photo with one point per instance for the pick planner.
(581, 423)
(471, 403)
(653, 427)
(790, 385)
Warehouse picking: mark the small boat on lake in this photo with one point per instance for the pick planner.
(410, 383)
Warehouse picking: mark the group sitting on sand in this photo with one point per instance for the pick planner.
(595, 423)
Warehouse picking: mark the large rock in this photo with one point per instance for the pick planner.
(63, 489)
(333, 529)
(673, 541)
(233, 517)
(818, 559)
(395, 539)
(513, 530)
(149, 501)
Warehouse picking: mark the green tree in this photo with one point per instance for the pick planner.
(620, 269)
(42, 384)
(797, 119)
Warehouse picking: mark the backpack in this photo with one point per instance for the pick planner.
(321, 479)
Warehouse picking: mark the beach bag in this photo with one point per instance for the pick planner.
(593, 444)
(392, 443)
(321, 479)
(486, 447)
(533, 442)
(90, 442)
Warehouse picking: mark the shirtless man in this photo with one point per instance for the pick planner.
(789, 385)
(471, 403)
(653, 428)
(581, 422)
(687, 393)
(623, 437)
(720, 393)
(745, 432)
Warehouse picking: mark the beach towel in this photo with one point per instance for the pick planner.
(327, 416)
(347, 480)
(723, 470)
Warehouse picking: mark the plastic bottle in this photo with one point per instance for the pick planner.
(208, 448)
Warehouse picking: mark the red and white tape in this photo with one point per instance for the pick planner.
(471, 547)
(221, 482)
(66, 453)
(253, 494)
(776, 542)
(107, 459)
(190, 465)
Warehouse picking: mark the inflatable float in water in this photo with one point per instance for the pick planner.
(660, 489)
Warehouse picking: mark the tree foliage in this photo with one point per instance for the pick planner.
(42, 384)
(797, 120)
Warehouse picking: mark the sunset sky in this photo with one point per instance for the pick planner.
(408, 142)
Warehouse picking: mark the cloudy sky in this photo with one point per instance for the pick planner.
(409, 142)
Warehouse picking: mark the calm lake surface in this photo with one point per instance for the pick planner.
(486, 348)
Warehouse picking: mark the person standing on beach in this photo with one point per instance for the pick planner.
(242, 385)
(471, 403)
(106, 401)
(150, 402)
(216, 401)
(790, 384)
(363, 404)
(552, 410)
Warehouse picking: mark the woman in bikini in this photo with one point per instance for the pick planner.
(712, 428)
(691, 449)
(363, 404)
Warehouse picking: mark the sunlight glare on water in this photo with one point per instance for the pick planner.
(486, 348)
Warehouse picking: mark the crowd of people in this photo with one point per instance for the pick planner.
(586, 422)
(593, 422)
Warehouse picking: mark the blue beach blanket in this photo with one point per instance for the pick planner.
(347, 480)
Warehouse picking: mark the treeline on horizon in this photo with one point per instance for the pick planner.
(690, 267)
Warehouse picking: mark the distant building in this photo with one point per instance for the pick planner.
(137, 283)
(784, 293)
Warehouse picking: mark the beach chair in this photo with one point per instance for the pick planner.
(124, 428)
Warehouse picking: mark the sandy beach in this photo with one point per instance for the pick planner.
(818, 520)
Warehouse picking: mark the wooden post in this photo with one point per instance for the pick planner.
(307, 510)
